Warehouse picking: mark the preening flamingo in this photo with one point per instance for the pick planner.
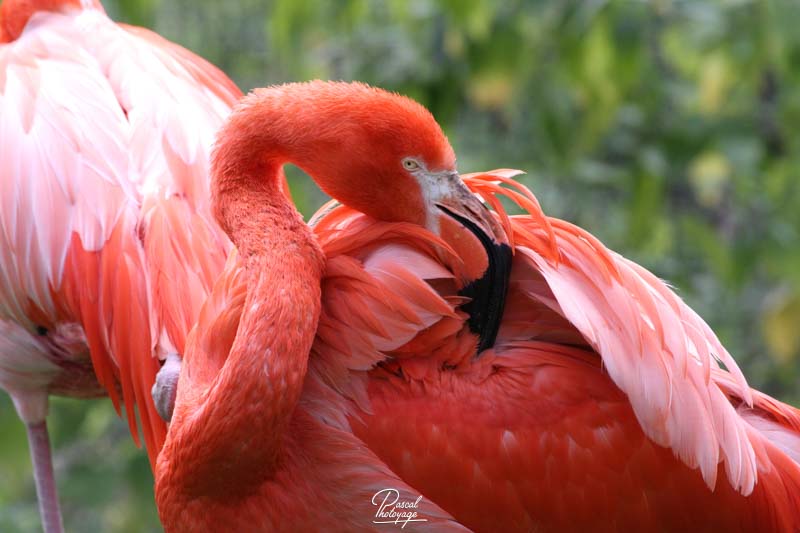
(107, 245)
(334, 362)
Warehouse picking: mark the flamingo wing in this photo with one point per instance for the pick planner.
(600, 378)
(65, 196)
(173, 113)
(537, 437)
(105, 221)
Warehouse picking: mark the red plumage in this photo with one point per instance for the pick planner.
(308, 386)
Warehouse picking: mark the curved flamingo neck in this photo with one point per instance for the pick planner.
(231, 416)
(15, 14)
(259, 138)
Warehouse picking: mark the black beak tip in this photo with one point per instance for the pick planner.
(488, 293)
(488, 296)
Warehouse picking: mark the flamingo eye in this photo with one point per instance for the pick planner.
(410, 165)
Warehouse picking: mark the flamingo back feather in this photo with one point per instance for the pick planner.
(655, 348)
(577, 314)
(104, 216)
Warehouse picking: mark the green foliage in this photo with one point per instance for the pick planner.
(666, 128)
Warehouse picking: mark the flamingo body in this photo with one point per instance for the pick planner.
(107, 246)
(535, 434)
(601, 404)
(552, 457)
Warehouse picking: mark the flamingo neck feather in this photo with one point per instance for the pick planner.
(236, 411)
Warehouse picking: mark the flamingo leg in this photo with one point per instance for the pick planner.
(166, 386)
(39, 443)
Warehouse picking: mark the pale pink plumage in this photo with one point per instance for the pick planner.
(105, 132)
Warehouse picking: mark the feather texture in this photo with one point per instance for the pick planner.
(602, 405)
(602, 382)
(105, 132)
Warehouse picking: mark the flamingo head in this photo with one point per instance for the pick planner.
(385, 155)
(379, 153)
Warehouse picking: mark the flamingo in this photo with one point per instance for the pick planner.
(493, 372)
(107, 245)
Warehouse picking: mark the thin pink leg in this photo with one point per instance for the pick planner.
(39, 443)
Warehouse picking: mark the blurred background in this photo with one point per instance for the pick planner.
(666, 128)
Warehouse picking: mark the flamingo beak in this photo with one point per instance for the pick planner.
(487, 291)
(465, 207)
